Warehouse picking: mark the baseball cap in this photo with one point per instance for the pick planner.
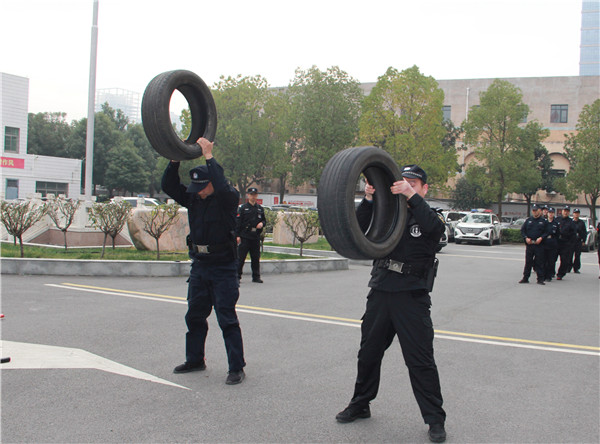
(252, 190)
(200, 179)
(414, 172)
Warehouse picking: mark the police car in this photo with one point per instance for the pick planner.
(480, 227)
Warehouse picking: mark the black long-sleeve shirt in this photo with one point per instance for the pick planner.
(417, 246)
(211, 220)
(249, 216)
(534, 228)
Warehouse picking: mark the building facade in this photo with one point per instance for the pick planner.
(589, 51)
(22, 174)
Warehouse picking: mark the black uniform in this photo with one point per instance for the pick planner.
(551, 250)
(213, 278)
(534, 228)
(399, 304)
(566, 241)
(581, 232)
(249, 216)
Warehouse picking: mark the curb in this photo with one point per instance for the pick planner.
(76, 267)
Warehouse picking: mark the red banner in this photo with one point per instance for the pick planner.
(9, 162)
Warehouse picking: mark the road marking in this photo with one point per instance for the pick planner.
(334, 320)
(39, 356)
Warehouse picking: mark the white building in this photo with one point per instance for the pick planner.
(22, 174)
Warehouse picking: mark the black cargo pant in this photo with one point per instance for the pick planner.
(565, 251)
(550, 256)
(534, 257)
(577, 248)
(213, 285)
(407, 315)
(252, 246)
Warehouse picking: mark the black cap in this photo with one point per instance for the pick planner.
(545, 207)
(414, 172)
(566, 207)
(576, 210)
(551, 210)
(200, 179)
(536, 207)
(252, 190)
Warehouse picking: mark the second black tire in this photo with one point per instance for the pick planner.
(337, 209)
(156, 117)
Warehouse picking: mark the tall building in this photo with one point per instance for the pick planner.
(589, 53)
(117, 98)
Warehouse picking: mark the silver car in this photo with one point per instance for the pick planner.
(478, 227)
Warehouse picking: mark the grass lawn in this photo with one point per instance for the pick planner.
(321, 244)
(121, 254)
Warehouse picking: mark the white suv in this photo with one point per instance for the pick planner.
(478, 227)
(133, 201)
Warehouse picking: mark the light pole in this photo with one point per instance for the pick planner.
(89, 144)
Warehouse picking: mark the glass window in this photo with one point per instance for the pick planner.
(55, 188)
(447, 110)
(12, 189)
(11, 139)
(559, 113)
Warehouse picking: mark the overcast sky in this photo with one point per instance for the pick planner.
(48, 41)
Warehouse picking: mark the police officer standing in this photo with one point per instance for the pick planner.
(211, 203)
(250, 223)
(581, 231)
(566, 241)
(534, 232)
(551, 246)
(399, 304)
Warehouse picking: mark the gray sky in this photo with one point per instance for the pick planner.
(48, 41)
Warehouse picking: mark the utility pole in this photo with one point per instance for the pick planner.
(89, 144)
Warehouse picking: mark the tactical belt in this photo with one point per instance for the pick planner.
(401, 267)
(207, 249)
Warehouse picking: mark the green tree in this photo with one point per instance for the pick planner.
(48, 134)
(110, 218)
(583, 151)
(536, 166)
(125, 169)
(493, 130)
(62, 212)
(468, 193)
(303, 224)
(403, 115)
(159, 220)
(281, 144)
(135, 133)
(18, 217)
(326, 108)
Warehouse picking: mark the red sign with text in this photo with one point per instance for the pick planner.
(9, 162)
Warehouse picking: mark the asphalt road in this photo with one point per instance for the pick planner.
(518, 363)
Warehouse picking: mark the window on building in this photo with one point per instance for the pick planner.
(12, 189)
(447, 110)
(56, 188)
(11, 139)
(559, 113)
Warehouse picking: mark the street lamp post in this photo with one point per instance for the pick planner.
(89, 144)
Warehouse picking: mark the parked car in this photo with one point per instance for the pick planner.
(444, 239)
(507, 221)
(478, 227)
(590, 241)
(133, 201)
(516, 225)
(453, 217)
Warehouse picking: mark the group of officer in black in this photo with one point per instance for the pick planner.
(547, 238)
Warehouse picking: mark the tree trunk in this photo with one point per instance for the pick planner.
(65, 238)
(301, 247)
(21, 244)
(157, 250)
(103, 245)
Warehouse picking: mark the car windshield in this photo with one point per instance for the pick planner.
(478, 218)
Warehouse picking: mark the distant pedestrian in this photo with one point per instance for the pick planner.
(581, 231)
(534, 231)
(249, 225)
(551, 246)
(566, 241)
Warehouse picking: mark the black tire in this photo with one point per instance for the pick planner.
(336, 206)
(157, 120)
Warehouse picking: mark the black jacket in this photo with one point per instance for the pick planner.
(417, 246)
(553, 231)
(534, 228)
(567, 229)
(581, 230)
(212, 220)
(249, 216)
